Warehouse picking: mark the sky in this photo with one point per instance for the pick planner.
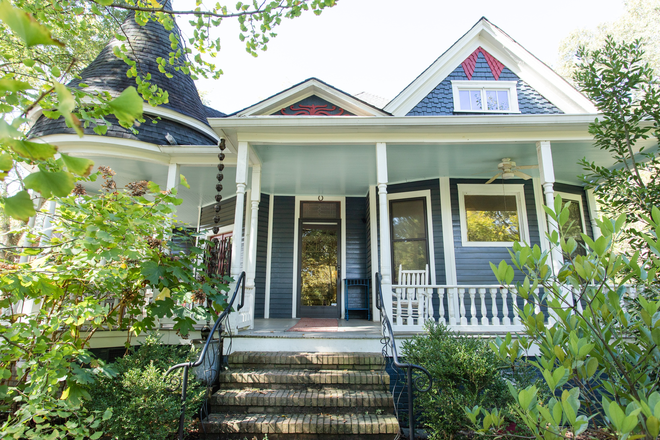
(380, 46)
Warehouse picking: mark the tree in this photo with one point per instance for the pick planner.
(640, 20)
(624, 89)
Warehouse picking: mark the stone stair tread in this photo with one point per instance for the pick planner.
(293, 398)
(347, 424)
(298, 358)
(303, 376)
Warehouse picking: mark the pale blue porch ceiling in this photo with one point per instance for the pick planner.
(317, 169)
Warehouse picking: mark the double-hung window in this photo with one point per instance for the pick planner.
(575, 226)
(492, 215)
(485, 96)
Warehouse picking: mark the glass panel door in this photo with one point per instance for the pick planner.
(319, 270)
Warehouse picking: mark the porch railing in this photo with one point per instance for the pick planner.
(389, 349)
(468, 308)
(240, 285)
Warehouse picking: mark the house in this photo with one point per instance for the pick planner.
(328, 189)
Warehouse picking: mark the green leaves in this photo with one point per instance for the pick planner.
(504, 273)
(48, 183)
(32, 150)
(12, 85)
(19, 206)
(127, 107)
(25, 26)
(67, 105)
(77, 165)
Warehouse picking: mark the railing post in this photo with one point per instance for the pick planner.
(411, 409)
(184, 391)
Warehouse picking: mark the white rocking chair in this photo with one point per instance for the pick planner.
(410, 303)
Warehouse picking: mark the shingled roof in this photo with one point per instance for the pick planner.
(108, 73)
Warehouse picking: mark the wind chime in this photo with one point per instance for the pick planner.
(218, 186)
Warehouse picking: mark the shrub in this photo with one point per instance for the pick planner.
(143, 406)
(465, 373)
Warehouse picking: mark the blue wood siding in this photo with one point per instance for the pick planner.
(281, 274)
(262, 254)
(227, 209)
(472, 263)
(574, 189)
(356, 248)
(367, 216)
(436, 216)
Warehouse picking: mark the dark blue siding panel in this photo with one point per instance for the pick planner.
(367, 216)
(356, 248)
(441, 100)
(436, 215)
(472, 262)
(281, 274)
(262, 251)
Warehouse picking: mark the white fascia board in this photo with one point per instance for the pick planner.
(529, 68)
(302, 91)
(181, 119)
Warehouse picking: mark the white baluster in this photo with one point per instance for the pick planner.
(451, 294)
(399, 298)
(505, 308)
(484, 311)
(410, 295)
(493, 296)
(461, 298)
(473, 308)
(441, 306)
(514, 302)
(431, 308)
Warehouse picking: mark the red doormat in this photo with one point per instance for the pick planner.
(315, 325)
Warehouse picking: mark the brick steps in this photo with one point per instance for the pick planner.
(302, 396)
(302, 379)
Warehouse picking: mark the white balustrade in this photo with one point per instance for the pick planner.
(413, 306)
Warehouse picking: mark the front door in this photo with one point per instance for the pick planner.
(320, 269)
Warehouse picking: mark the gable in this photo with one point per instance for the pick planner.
(482, 52)
(313, 106)
(481, 66)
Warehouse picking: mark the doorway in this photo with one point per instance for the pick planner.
(319, 284)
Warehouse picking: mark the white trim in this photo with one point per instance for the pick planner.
(426, 193)
(222, 230)
(175, 116)
(269, 257)
(500, 45)
(342, 275)
(575, 198)
(592, 206)
(447, 231)
(304, 90)
(481, 189)
(373, 228)
(509, 86)
(540, 213)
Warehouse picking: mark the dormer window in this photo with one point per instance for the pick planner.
(485, 96)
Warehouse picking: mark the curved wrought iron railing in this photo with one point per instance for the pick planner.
(390, 345)
(240, 284)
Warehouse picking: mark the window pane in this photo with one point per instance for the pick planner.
(409, 254)
(492, 218)
(503, 100)
(475, 100)
(491, 99)
(408, 219)
(464, 96)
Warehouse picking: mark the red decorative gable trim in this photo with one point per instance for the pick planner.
(470, 62)
(312, 110)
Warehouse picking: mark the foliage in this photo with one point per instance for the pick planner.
(465, 373)
(105, 252)
(599, 351)
(143, 407)
(640, 20)
(623, 87)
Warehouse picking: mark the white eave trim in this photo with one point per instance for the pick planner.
(528, 68)
(302, 91)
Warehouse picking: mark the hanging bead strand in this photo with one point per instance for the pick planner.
(218, 186)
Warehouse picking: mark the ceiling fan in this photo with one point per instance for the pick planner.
(509, 170)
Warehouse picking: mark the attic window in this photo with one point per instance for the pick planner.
(485, 96)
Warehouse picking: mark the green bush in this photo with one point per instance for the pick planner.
(465, 373)
(143, 407)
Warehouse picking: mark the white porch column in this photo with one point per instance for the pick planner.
(250, 294)
(592, 206)
(173, 176)
(241, 183)
(547, 172)
(385, 248)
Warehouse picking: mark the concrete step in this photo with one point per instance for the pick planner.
(301, 426)
(299, 379)
(293, 360)
(271, 401)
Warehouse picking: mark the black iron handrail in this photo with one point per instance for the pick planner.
(389, 340)
(187, 365)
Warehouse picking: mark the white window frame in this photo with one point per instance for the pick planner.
(493, 190)
(426, 194)
(575, 198)
(509, 86)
